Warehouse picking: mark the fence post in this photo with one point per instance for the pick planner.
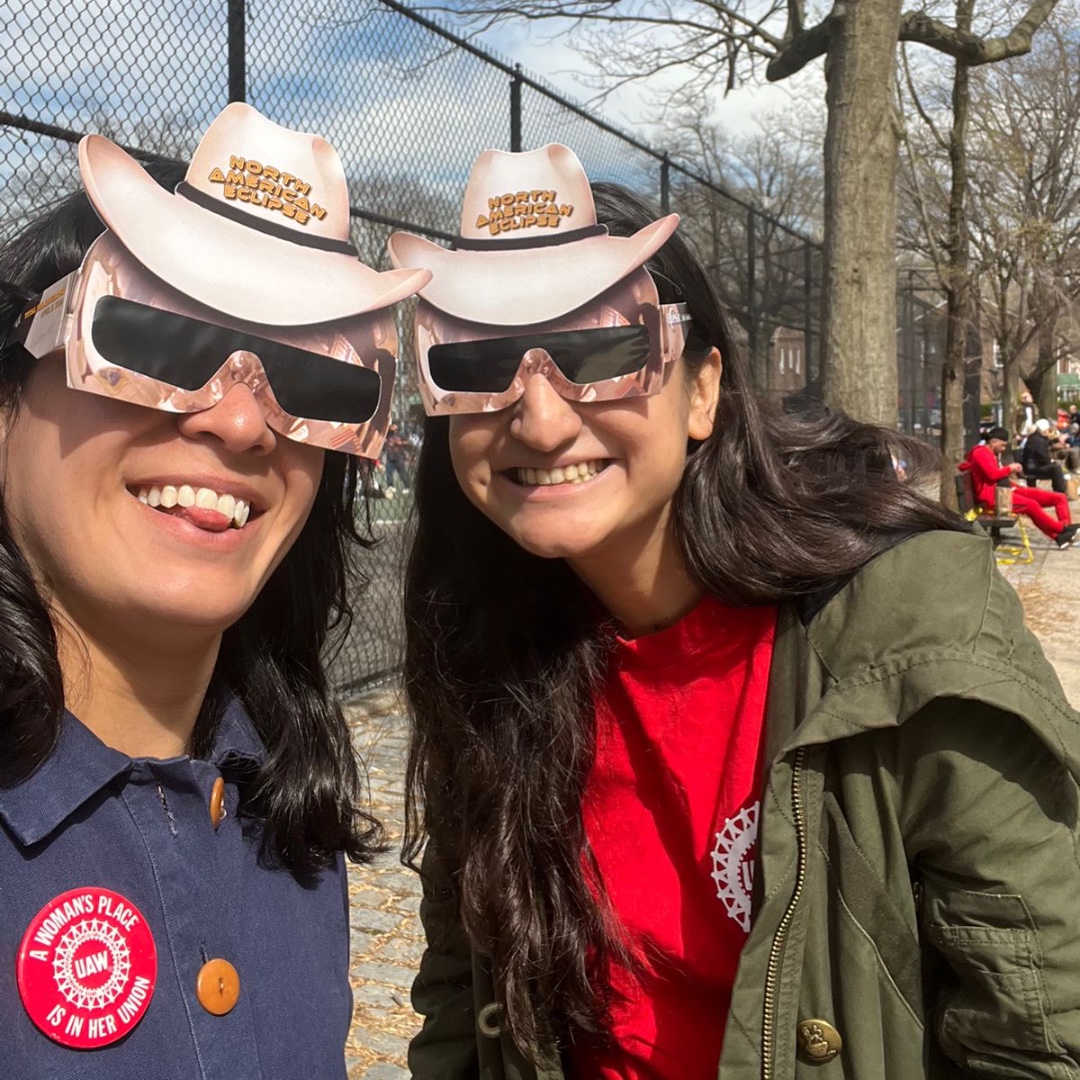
(665, 185)
(237, 50)
(809, 356)
(751, 285)
(515, 111)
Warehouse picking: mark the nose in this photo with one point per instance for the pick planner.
(543, 419)
(237, 421)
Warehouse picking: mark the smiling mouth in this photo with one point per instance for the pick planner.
(582, 473)
(202, 506)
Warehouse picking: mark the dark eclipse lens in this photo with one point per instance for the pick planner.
(187, 353)
(583, 356)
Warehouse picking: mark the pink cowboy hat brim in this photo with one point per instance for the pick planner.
(230, 267)
(520, 287)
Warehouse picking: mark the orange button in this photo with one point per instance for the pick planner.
(217, 987)
(217, 802)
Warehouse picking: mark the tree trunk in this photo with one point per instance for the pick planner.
(957, 284)
(1043, 382)
(861, 144)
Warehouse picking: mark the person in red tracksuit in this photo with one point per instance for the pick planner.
(986, 472)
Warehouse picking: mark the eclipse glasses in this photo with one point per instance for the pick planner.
(128, 336)
(617, 346)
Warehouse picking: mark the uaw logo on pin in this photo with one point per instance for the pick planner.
(87, 967)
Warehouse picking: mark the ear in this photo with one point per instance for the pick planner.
(704, 394)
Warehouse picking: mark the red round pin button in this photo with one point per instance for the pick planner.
(87, 967)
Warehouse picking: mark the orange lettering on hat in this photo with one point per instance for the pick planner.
(268, 187)
(513, 210)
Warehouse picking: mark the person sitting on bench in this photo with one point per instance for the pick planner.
(987, 472)
(1037, 462)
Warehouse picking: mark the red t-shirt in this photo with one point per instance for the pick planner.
(671, 812)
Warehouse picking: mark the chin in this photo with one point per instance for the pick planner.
(187, 615)
(555, 547)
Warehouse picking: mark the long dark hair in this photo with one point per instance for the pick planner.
(309, 790)
(505, 651)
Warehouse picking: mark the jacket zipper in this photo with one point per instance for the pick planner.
(772, 972)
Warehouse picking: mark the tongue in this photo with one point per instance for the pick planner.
(210, 520)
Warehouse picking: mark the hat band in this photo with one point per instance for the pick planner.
(281, 232)
(554, 240)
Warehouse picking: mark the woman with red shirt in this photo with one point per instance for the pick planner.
(699, 690)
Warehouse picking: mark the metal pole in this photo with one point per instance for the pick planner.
(237, 50)
(751, 285)
(809, 376)
(665, 185)
(924, 404)
(907, 347)
(515, 110)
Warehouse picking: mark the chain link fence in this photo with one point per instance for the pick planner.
(408, 105)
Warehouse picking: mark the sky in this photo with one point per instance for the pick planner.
(557, 62)
(400, 105)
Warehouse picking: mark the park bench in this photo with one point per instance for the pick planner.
(1006, 550)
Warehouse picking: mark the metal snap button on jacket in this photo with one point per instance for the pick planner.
(487, 1020)
(818, 1041)
(217, 802)
(217, 986)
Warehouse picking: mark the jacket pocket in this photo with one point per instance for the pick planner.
(998, 1000)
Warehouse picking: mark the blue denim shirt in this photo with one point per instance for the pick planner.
(91, 817)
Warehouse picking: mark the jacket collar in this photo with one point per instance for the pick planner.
(81, 765)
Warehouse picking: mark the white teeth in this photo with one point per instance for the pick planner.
(168, 496)
(567, 474)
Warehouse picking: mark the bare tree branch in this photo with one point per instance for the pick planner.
(969, 48)
(802, 48)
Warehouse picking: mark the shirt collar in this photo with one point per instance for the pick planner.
(236, 736)
(81, 765)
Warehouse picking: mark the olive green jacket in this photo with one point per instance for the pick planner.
(917, 886)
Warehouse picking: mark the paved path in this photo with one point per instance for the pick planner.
(386, 937)
(1049, 588)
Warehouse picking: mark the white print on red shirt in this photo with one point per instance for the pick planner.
(733, 863)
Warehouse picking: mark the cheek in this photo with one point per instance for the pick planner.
(471, 443)
(303, 469)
